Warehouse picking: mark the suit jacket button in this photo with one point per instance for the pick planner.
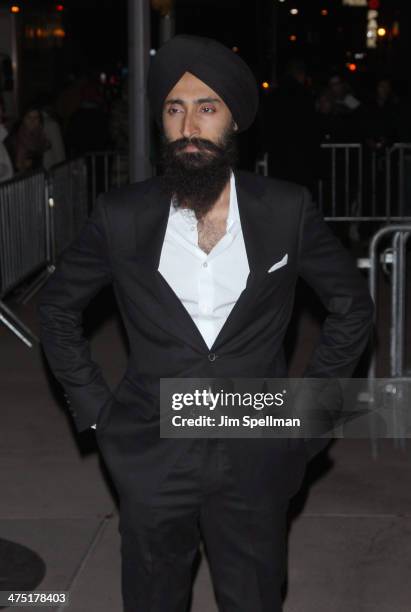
(212, 357)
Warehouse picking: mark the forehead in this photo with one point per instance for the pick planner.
(189, 87)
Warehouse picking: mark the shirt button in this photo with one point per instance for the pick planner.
(212, 357)
(205, 264)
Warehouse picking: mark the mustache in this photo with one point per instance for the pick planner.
(202, 144)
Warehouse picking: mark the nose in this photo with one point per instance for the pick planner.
(189, 127)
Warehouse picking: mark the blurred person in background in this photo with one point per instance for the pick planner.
(6, 167)
(88, 126)
(27, 142)
(348, 108)
(51, 126)
(330, 122)
(383, 115)
(342, 94)
(69, 99)
(3, 127)
(292, 129)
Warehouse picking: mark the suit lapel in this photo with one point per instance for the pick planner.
(255, 225)
(151, 227)
(150, 232)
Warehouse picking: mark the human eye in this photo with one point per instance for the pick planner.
(172, 110)
(208, 109)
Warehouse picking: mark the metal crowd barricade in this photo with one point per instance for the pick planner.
(363, 184)
(68, 201)
(106, 169)
(398, 181)
(399, 235)
(67, 210)
(340, 190)
(359, 183)
(397, 388)
(24, 241)
(40, 215)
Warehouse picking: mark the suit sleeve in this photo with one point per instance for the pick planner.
(81, 272)
(330, 270)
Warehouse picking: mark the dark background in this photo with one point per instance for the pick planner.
(96, 37)
(329, 37)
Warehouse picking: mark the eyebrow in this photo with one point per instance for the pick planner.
(198, 101)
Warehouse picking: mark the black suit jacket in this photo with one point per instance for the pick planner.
(121, 244)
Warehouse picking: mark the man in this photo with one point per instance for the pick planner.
(188, 255)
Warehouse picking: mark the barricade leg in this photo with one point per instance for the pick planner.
(36, 285)
(16, 326)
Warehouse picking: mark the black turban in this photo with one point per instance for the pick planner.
(211, 62)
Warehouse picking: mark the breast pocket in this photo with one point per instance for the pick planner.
(278, 264)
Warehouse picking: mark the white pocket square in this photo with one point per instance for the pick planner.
(279, 264)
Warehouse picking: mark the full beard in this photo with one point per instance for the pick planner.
(195, 180)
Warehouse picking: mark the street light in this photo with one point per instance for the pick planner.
(381, 32)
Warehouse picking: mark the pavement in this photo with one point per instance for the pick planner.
(350, 524)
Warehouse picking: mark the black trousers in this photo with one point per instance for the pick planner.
(245, 541)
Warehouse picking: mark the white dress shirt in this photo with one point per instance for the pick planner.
(208, 285)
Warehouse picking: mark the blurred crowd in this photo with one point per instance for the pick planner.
(81, 118)
(31, 143)
(89, 114)
(300, 114)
